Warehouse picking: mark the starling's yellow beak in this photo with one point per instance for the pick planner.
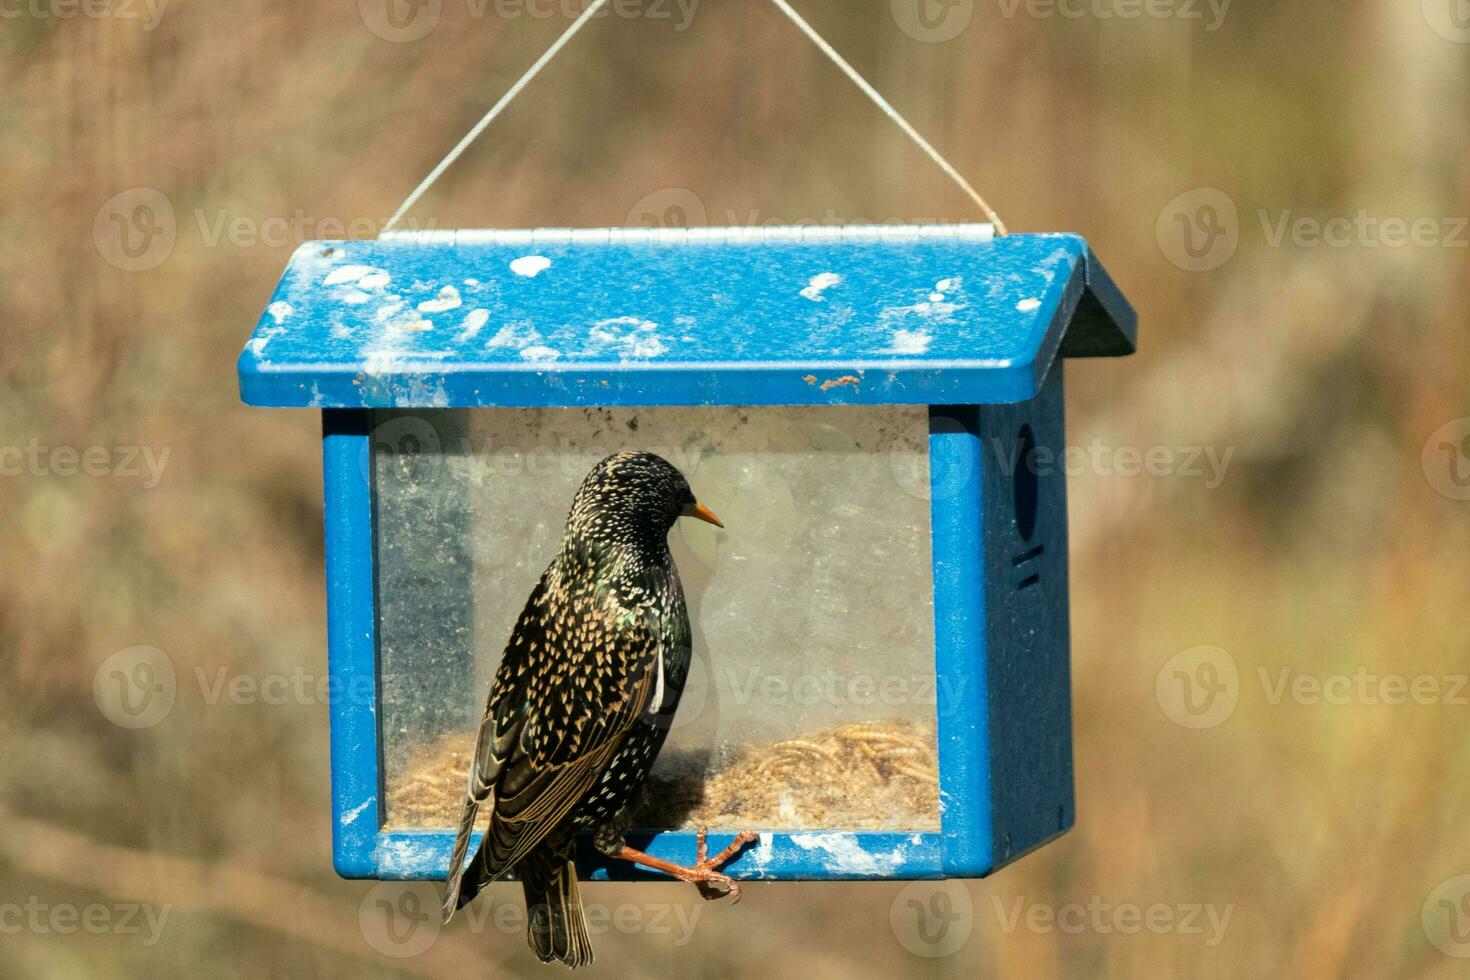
(702, 512)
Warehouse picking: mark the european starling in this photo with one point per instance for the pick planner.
(582, 702)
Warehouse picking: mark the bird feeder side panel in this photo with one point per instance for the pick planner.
(1027, 623)
(352, 649)
(1002, 633)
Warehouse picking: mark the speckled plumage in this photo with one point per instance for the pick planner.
(582, 700)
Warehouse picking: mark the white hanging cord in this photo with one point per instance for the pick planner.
(590, 12)
(891, 113)
(495, 110)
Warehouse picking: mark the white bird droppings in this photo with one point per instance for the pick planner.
(630, 336)
(1028, 305)
(347, 273)
(844, 853)
(258, 343)
(934, 312)
(909, 342)
(351, 816)
(540, 354)
(374, 280)
(514, 335)
(944, 287)
(530, 266)
(279, 311)
(820, 284)
(448, 299)
(472, 326)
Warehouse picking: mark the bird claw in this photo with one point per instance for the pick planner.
(706, 871)
(706, 874)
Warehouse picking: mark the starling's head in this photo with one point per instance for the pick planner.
(633, 498)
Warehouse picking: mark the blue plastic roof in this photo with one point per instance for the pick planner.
(923, 315)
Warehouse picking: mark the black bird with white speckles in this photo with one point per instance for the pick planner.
(582, 701)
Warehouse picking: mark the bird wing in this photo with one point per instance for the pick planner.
(575, 677)
(500, 727)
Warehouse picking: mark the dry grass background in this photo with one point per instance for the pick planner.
(1325, 548)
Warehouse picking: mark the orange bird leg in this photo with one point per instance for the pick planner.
(706, 869)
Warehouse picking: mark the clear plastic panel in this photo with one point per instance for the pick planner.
(812, 700)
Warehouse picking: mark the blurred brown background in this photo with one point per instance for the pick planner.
(1304, 322)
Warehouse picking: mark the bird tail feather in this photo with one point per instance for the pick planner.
(463, 884)
(556, 927)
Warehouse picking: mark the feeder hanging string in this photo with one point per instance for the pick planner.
(786, 8)
(495, 110)
(891, 113)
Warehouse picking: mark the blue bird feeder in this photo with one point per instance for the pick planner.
(863, 406)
